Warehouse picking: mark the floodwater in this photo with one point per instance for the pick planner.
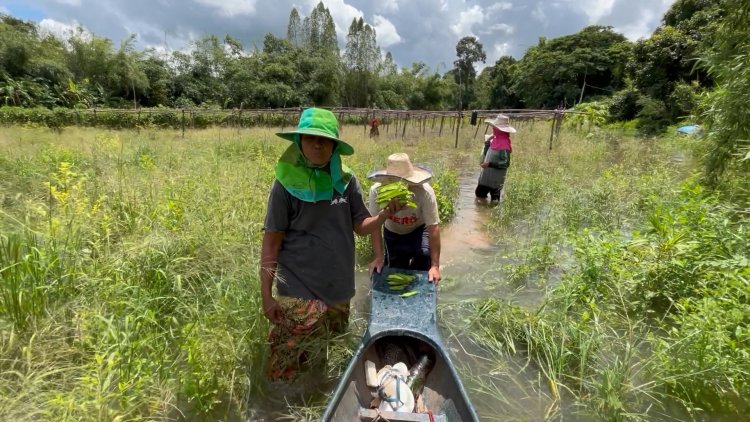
(466, 250)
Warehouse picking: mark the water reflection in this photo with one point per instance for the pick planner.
(467, 234)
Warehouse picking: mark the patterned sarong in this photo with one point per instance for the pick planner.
(302, 334)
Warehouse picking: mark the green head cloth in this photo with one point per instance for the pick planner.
(302, 180)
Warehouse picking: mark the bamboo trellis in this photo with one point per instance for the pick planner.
(395, 122)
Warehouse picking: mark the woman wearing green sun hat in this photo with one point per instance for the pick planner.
(314, 209)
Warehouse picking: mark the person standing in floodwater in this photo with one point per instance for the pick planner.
(412, 236)
(314, 209)
(495, 159)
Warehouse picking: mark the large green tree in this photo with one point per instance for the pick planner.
(569, 69)
(294, 30)
(320, 31)
(32, 67)
(663, 68)
(201, 74)
(727, 107)
(468, 52)
(160, 77)
(18, 40)
(361, 63)
(494, 87)
(129, 81)
(662, 60)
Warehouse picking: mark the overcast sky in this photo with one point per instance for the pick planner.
(412, 30)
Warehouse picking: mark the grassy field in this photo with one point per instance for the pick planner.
(130, 291)
(129, 265)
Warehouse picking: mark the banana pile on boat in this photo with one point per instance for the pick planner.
(399, 283)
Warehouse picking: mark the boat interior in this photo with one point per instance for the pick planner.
(440, 397)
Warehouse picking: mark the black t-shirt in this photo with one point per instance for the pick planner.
(316, 260)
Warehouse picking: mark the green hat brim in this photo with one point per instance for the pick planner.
(344, 148)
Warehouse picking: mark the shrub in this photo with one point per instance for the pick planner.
(624, 105)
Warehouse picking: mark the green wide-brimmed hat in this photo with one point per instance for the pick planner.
(319, 122)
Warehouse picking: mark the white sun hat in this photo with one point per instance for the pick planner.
(401, 167)
(501, 122)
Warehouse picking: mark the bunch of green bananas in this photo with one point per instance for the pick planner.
(398, 190)
(398, 282)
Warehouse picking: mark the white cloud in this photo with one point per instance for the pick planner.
(641, 27)
(75, 3)
(500, 27)
(62, 30)
(499, 7)
(145, 30)
(385, 32)
(230, 8)
(539, 15)
(466, 20)
(388, 6)
(500, 49)
(4, 11)
(593, 9)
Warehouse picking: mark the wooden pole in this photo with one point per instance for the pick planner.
(183, 123)
(442, 120)
(458, 127)
(239, 119)
(552, 132)
(367, 117)
(406, 121)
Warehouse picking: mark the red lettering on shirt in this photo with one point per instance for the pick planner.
(409, 219)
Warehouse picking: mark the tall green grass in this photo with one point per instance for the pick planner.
(645, 282)
(128, 270)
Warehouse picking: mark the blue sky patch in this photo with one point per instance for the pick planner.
(21, 10)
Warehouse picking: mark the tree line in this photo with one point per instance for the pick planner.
(656, 80)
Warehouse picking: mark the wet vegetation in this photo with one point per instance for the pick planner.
(638, 278)
(129, 269)
(644, 260)
(128, 265)
(617, 289)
